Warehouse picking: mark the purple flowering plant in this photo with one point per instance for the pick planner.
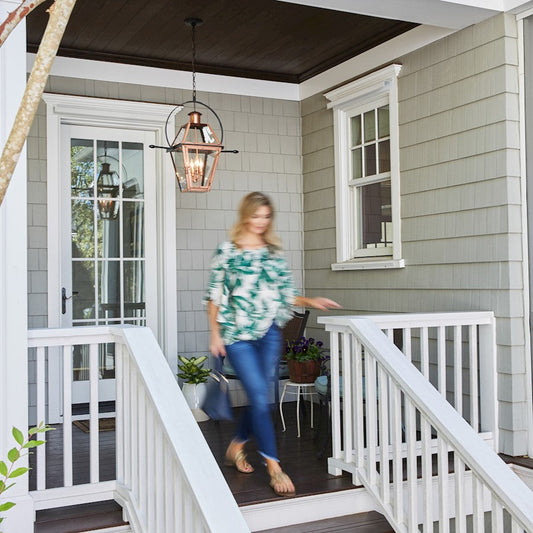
(304, 349)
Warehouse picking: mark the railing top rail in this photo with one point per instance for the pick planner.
(413, 320)
(494, 473)
(75, 336)
(207, 483)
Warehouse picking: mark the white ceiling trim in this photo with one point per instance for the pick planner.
(452, 14)
(376, 57)
(158, 77)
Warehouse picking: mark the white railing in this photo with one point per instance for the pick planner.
(456, 352)
(400, 436)
(167, 478)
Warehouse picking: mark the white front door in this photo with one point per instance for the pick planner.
(108, 248)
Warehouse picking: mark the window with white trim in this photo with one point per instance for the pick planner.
(367, 171)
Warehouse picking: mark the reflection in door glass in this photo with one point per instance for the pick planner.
(107, 240)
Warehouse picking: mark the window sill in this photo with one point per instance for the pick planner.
(365, 264)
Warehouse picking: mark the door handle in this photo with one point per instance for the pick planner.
(64, 299)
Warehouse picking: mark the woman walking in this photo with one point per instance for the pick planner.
(249, 298)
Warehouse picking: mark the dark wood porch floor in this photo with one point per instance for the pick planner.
(298, 457)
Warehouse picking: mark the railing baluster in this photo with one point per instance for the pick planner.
(443, 473)
(496, 515)
(41, 414)
(335, 402)
(67, 415)
(427, 473)
(347, 395)
(384, 410)
(412, 475)
(478, 515)
(123, 428)
(459, 478)
(458, 368)
(397, 456)
(371, 416)
(359, 406)
(474, 389)
(441, 358)
(407, 343)
(93, 414)
(424, 352)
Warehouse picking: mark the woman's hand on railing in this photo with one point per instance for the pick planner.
(319, 302)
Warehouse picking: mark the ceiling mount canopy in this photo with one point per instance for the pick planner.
(196, 148)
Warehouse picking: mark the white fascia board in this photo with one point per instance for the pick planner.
(371, 59)
(158, 77)
(446, 13)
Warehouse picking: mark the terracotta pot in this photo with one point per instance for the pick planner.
(303, 371)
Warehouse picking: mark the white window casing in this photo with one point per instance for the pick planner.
(371, 92)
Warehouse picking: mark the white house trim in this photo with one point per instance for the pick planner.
(446, 13)
(525, 236)
(66, 109)
(160, 77)
(374, 90)
(14, 279)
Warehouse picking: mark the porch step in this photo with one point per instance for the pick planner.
(371, 522)
(99, 516)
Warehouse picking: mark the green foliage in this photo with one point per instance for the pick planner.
(192, 370)
(8, 470)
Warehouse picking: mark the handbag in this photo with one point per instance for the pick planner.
(217, 403)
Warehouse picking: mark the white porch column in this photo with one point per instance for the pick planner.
(13, 278)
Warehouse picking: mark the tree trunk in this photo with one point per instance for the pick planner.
(16, 16)
(59, 15)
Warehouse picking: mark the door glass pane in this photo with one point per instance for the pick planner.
(83, 291)
(132, 169)
(109, 290)
(134, 289)
(82, 224)
(133, 231)
(376, 222)
(82, 167)
(107, 239)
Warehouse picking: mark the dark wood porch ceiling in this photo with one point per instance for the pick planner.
(260, 39)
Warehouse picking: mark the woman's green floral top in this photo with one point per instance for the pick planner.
(252, 289)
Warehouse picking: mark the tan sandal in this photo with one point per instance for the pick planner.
(281, 478)
(239, 462)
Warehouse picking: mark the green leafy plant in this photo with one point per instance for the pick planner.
(7, 468)
(304, 349)
(192, 370)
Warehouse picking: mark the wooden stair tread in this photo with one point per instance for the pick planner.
(76, 518)
(371, 522)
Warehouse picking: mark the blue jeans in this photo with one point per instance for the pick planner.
(254, 363)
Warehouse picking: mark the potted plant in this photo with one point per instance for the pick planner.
(304, 357)
(194, 375)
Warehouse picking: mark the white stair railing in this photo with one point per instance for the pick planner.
(399, 437)
(167, 478)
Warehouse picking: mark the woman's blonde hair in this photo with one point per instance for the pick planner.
(248, 206)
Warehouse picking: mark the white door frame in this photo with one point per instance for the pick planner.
(84, 111)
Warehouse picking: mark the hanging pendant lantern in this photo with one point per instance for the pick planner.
(196, 148)
(195, 152)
